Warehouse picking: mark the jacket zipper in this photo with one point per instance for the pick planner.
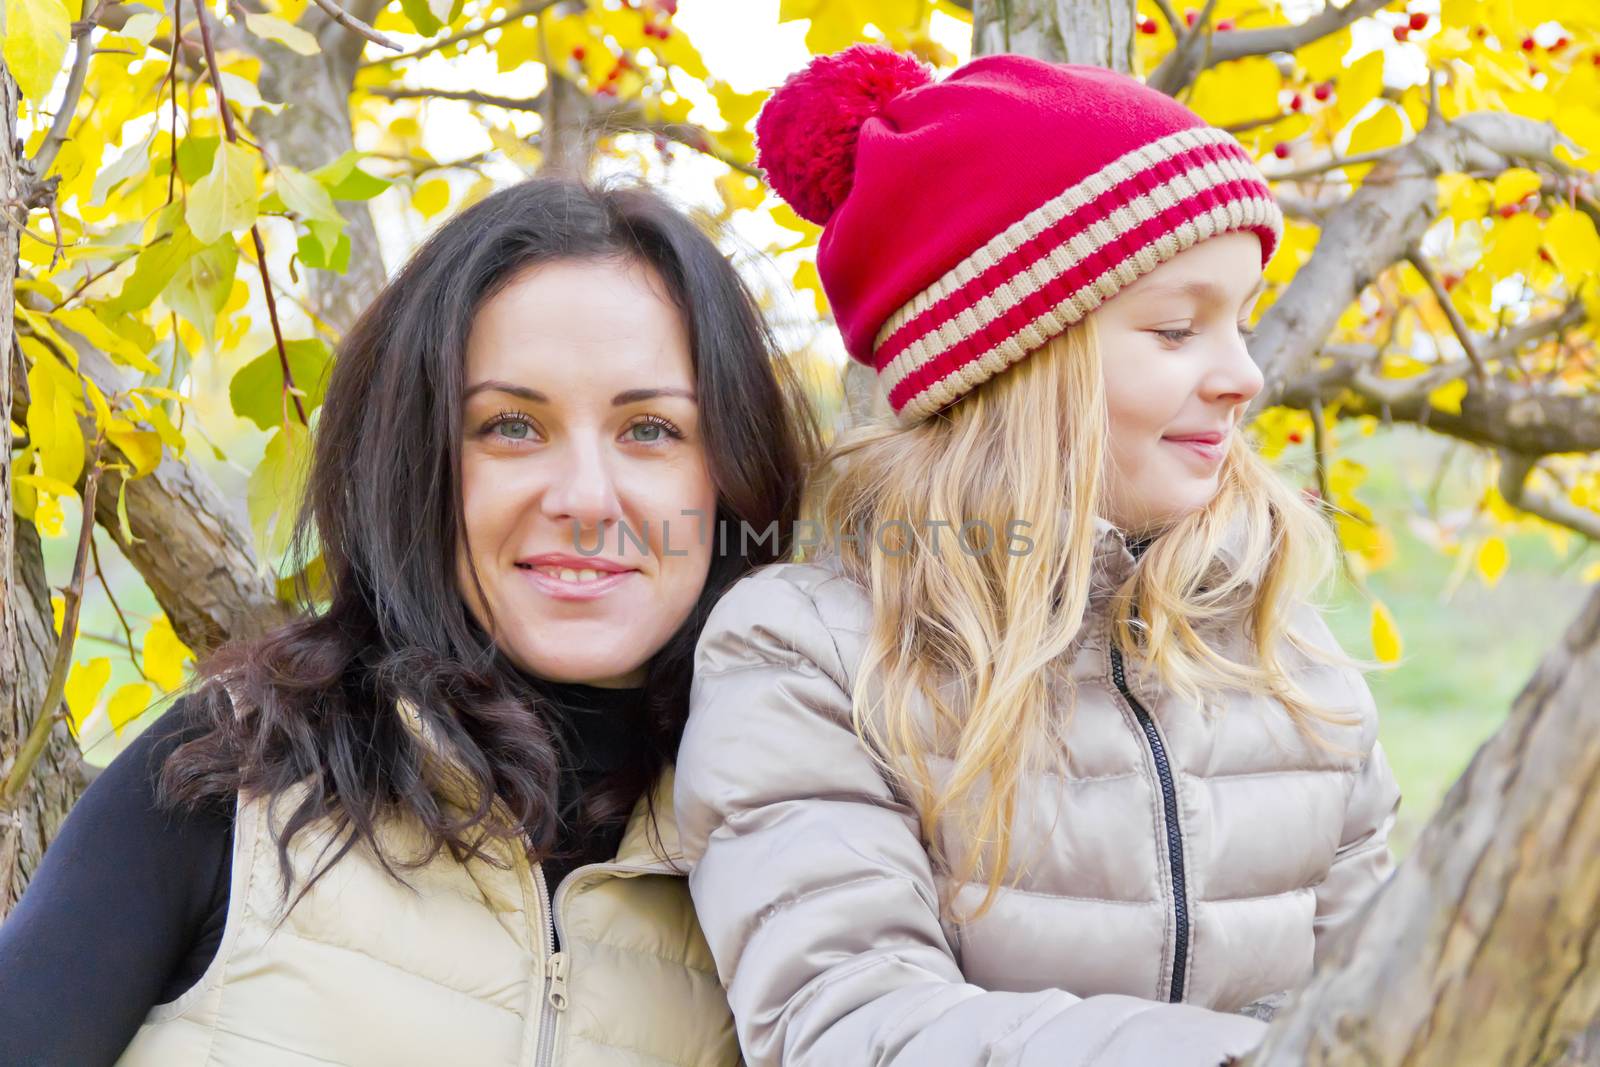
(555, 976)
(1169, 805)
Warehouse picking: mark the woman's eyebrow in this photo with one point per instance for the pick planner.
(493, 386)
(633, 396)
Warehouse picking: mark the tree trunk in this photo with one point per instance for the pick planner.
(27, 635)
(1485, 945)
(1095, 32)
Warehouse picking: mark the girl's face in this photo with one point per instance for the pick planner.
(1178, 379)
(582, 469)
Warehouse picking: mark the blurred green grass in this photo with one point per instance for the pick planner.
(1468, 650)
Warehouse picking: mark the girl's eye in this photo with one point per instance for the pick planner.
(653, 429)
(1246, 331)
(1175, 337)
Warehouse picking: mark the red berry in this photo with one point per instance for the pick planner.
(579, 52)
(665, 32)
(1419, 21)
(1561, 42)
(1225, 26)
(1295, 437)
(1189, 17)
(1480, 32)
(1450, 281)
(606, 90)
(1528, 44)
(1296, 103)
(1323, 91)
(1147, 26)
(1508, 210)
(1280, 150)
(1596, 58)
(1402, 32)
(1544, 255)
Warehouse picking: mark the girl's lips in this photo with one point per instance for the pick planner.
(560, 589)
(1211, 452)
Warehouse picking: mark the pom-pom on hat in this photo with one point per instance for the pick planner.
(967, 221)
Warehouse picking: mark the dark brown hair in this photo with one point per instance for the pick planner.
(383, 508)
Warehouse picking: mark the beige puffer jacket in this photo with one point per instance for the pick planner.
(1181, 856)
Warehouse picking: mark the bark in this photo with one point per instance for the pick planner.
(315, 129)
(27, 635)
(1485, 946)
(1095, 32)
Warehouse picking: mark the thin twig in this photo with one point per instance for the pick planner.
(49, 712)
(468, 96)
(533, 8)
(1469, 341)
(356, 26)
(255, 230)
(177, 30)
(1314, 169)
(94, 552)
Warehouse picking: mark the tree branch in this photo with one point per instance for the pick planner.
(1516, 472)
(1374, 228)
(46, 156)
(356, 26)
(1469, 343)
(533, 7)
(1185, 62)
(510, 103)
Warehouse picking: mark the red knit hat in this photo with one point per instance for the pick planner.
(969, 220)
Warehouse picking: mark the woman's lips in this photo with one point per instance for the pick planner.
(558, 588)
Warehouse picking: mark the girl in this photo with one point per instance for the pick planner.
(342, 848)
(1046, 761)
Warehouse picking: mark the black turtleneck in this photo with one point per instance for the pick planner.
(128, 906)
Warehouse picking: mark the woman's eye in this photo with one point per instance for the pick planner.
(511, 427)
(652, 430)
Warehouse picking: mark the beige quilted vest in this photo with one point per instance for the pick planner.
(457, 969)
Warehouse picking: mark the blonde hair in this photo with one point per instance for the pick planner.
(998, 626)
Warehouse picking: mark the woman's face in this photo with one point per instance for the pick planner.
(1178, 379)
(583, 468)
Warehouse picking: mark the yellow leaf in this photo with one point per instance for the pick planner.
(739, 191)
(431, 197)
(84, 684)
(164, 654)
(127, 704)
(1464, 197)
(1448, 397)
(275, 29)
(1513, 186)
(142, 447)
(1570, 237)
(1590, 574)
(1383, 130)
(1512, 245)
(1324, 57)
(84, 321)
(1387, 644)
(48, 517)
(1237, 92)
(1358, 87)
(806, 277)
(33, 41)
(58, 609)
(53, 422)
(1492, 560)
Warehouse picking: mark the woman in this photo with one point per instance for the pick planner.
(1047, 761)
(520, 440)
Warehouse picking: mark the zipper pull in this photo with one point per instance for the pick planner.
(555, 969)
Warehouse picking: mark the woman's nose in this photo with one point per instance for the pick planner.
(582, 490)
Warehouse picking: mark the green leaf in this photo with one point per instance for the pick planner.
(346, 181)
(305, 196)
(313, 254)
(202, 284)
(225, 199)
(420, 12)
(33, 41)
(195, 156)
(131, 164)
(257, 390)
(276, 486)
(92, 328)
(155, 266)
